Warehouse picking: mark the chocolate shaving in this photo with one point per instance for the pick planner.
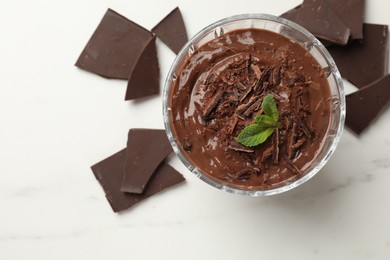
(290, 141)
(187, 144)
(255, 106)
(263, 78)
(286, 123)
(275, 143)
(256, 70)
(292, 167)
(243, 175)
(232, 126)
(299, 143)
(213, 103)
(242, 108)
(304, 128)
(239, 148)
(240, 85)
(276, 76)
(245, 94)
(267, 153)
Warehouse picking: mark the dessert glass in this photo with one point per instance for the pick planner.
(295, 33)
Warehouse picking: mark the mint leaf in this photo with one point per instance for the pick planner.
(264, 125)
(265, 121)
(254, 134)
(269, 107)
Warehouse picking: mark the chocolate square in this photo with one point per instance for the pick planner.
(320, 19)
(172, 31)
(291, 14)
(362, 62)
(109, 173)
(146, 149)
(144, 80)
(352, 14)
(114, 47)
(364, 105)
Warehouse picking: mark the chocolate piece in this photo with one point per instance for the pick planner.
(144, 80)
(351, 12)
(364, 105)
(114, 47)
(109, 173)
(291, 14)
(146, 149)
(362, 62)
(172, 31)
(319, 18)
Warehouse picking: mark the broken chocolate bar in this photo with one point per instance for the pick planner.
(144, 80)
(362, 62)
(146, 149)
(109, 173)
(291, 14)
(351, 12)
(114, 47)
(364, 105)
(320, 19)
(172, 31)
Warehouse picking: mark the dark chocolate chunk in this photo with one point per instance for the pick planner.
(236, 146)
(291, 14)
(109, 173)
(146, 149)
(351, 12)
(172, 31)
(364, 105)
(362, 62)
(320, 19)
(144, 80)
(114, 47)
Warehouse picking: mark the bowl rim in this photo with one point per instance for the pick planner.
(324, 53)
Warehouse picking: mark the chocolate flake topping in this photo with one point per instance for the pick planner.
(234, 145)
(230, 93)
(275, 143)
(292, 167)
(243, 175)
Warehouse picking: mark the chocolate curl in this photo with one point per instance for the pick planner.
(275, 143)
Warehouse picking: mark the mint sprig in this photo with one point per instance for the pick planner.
(264, 125)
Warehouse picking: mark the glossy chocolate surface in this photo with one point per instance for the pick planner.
(219, 91)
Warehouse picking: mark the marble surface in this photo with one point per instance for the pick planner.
(56, 121)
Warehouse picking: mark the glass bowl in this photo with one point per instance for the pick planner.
(293, 32)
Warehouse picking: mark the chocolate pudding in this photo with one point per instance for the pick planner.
(219, 91)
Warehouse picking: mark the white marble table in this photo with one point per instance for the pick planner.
(56, 121)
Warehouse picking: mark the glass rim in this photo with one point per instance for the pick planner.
(323, 52)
